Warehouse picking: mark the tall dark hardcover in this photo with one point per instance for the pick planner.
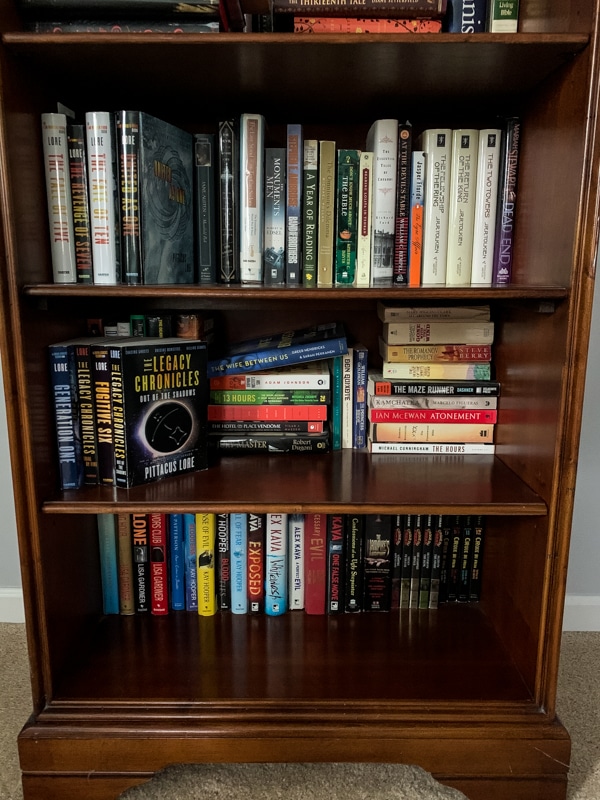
(466, 558)
(346, 228)
(315, 555)
(293, 217)
(378, 562)
(127, 125)
(397, 533)
(415, 566)
(406, 566)
(477, 560)
(80, 207)
(507, 201)
(87, 409)
(63, 382)
(354, 578)
(274, 242)
(466, 16)
(436, 560)
(228, 193)
(205, 168)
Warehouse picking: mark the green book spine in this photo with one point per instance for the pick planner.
(310, 206)
(346, 236)
(503, 16)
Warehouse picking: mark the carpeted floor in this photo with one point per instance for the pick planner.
(578, 705)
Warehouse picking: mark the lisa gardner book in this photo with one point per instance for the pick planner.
(159, 398)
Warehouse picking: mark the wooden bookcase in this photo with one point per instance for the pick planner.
(468, 691)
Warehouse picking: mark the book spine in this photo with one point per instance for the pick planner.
(271, 397)
(436, 560)
(436, 353)
(125, 561)
(276, 565)
(436, 143)
(406, 563)
(372, 24)
(159, 326)
(461, 206)
(296, 561)
(431, 371)
(189, 556)
(119, 439)
(268, 426)
(395, 313)
(310, 212)
(415, 564)
(229, 187)
(435, 448)
(506, 206)
(109, 570)
(272, 442)
(426, 561)
(238, 537)
(360, 356)
(403, 203)
(365, 205)
(466, 558)
(205, 555)
(397, 534)
(378, 562)
(382, 140)
(87, 413)
(336, 402)
(315, 535)
(223, 545)
(205, 167)
(176, 562)
(101, 368)
(58, 198)
(257, 529)
(354, 548)
(466, 16)
(478, 541)
(408, 9)
(435, 403)
(486, 203)
(445, 558)
(141, 562)
(252, 137)
(102, 182)
(336, 568)
(503, 16)
(347, 399)
(440, 332)
(267, 412)
(293, 230)
(480, 416)
(127, 125)
(294, 354)
(388, 388)
(417, 201)
(346, 238)
(434, 432)
(80, 203)
(326, 227)
(284, 379)
(159, 595)
(122, 26)
(63, 381)
(454, 553)
(274, 218)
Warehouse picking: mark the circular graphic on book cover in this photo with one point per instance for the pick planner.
(168, 427)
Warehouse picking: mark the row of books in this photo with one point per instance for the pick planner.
(273, 563)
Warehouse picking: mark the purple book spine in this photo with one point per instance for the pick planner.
(507, 202)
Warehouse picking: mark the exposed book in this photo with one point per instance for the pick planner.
(388, 312)
(140, 547)
(365, 25)
(205, 207)
(417, 206)
(354, 548)
(293, 204)
(315, 560)
(430, 371)
(159, 575)
(67, 422)
(252, 146)
(378, 385)
(461, 206)
(486, 203)
(267, 412)
(296, 562)
(271, 397)
(128, 144)
(438, 332)
(271, 442)
(403, 205)
(257, 530)
(360, 358)
(326, 225)
(466, 16)
(223, 562)
(365, 204)
(121, 26)
(433, 448)
(507, 200)
(378, 562)
(440, 353)
(109, 569)
(433, 402)
(431, 432)
(503, 16)
(346, 232)
(436, 144)
(287, 348)
(276, 565)
(190, 562)
(382, 140)
(176, 562)
(206, 563)
(297, 426)
(80, 205)
(433, 9)
(58, 197)
(161, 428)
(228, 227)
(310, 211)
(310, 375)
(238, 537)
(274, 241)
(336, 568)
(432, 415)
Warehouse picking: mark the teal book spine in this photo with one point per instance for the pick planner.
(238, 531)
(346, 235)
(109, 570)
(276, 565)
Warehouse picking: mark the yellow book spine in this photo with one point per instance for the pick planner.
(205, 554)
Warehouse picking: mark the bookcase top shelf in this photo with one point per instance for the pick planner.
(337, 482)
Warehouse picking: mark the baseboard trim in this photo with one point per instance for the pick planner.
(11, 605)
(582, 613)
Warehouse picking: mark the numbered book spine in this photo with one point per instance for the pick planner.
(276, 564)
(486, 202)
(109, 569)
(189, 556)
(507, 200)
(336, 567)
(127, 125)
(315, 535)
(63, 381)
(80, 203)
(326, 236)
(437, 145)
(238, 537)
(293, 218)
(296, 561)
(382, 140)
(176, 562)
(252, 138)
(102, 183)
(403, 204)
(205, 169)
(417, 204)
(141, 562)
(256, 563)
(159, 571)
(365, 204)
(205, 555)
(310, 212)
(125, 561)
(58, 197)
(354, 548)
(378, 562)
(346, 234)
(274, 267)
(223, 563)
(228, 207)
(461, 207)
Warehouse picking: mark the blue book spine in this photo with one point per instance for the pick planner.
(63, 380)
(359, 411)
(276, 565)
(109, 570)
(295, 162)
(466, 16)
(238, 532)
(189, 557)
(277, 357)
(176, 562)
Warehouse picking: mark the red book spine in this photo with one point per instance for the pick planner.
(433, 415)
(217, 413)
(315, 555)
(256, 563)
(158, 564)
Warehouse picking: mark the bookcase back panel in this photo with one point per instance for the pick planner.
(555, 16)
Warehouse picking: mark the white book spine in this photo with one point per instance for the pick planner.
(382, 140)
(461, 207)
(101, 180)
(58, 194)
(433, 448)
(436, 143)
(276, 564)
(296, 561)
(348, 398)
(365, 201)
(486, 202)
(252, 136)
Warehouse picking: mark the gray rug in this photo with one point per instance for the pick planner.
(297, 781)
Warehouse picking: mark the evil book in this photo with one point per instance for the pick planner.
(159, 397)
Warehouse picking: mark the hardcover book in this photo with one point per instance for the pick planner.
(478, 542)
(336, 566)
(388, 312)
(128, 143)
(274, 267)
(310, 212)
(466, 16)
(252, 145)
(360, 357)
(432, 415)
(406, 561)
(382, 140)
(205, 196)
(293, 216)
(190, 562)
(109, 569)
(326, 227)
(486, 203)
(507, 199)
(354, 548)
(432, 432)
(267, 412)
(270, 397)
(503, 16)
(415, 563)
(276, 565)
(430, 371)
(417, 203)
(102, 381)
(315, 537)
(80, 202)
(438, 332)
(271, 442)
(208, 9)
(228, 192)
(461, 207)
(439, 353)
(238, 537)
(223, 546)
(346, 238)
(365, 205)
(67, 422)
(433, 448)
(426, 562)
(436, 144)
(436, 560)
(403, 205)
(365, 25)
(310, 375)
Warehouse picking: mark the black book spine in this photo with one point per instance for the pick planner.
(228, 202)
(354, 531)
(87, 413)
(406, 568)
(127, 124)
(478, 540)
(426, 557)
(445, 559)
(415, 569)
(436, 561)
(378, 562)
(205, 216)
(104, 420)
(466, 559)
(397, 535)
(454, 559)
